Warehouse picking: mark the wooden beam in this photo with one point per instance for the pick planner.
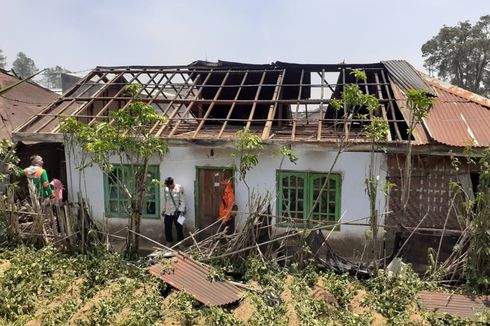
(56, 103)
(56, 128)
(189, 108)
(230, 111)
(272, 107)
(252, 111)
(383, 109)
(390, 104)
(322, 94)
(106, 106)
(208, 111)
(293, 132)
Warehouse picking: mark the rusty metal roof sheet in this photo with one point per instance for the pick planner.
(189, 276)
(462, 306)
(20, 103)
(405, 75)
(458, 118)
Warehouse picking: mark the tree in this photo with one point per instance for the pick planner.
(124, 135)
(24, 66)
(461, 54)
(3, 60)
(52, 76)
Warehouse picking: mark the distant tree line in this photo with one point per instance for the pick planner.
(23, 67)
(461, 55)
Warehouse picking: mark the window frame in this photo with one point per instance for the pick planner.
(155, 171)
(308, 195)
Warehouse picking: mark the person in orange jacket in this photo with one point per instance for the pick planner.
(227, 201)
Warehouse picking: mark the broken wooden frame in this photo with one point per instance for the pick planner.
(283, 102)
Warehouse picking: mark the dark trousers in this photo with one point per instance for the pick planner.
(168, 220)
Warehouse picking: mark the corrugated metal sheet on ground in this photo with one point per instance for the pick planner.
(191, 277)
(458, 121)
(463, 306)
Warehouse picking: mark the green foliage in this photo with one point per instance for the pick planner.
(24, 66)
(420, 103)
(377, 129)
(32, 275)
(267, 276)
(183, 304)
(340, 286)
(461, 54)
(216, 316)
(477, 223)
(123, 134)
(8, 159)
(246, 150)
(36, 278)
(267, 314)
(309, 310)
(359, 75)
(393, 295)
(291, 155)
(216, 274)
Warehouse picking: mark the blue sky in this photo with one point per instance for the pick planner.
(80, 34)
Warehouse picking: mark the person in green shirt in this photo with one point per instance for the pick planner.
(38, 176)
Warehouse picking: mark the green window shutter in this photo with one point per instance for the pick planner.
(116, 201)
(292, 195)
(298, 191)
(328, 206)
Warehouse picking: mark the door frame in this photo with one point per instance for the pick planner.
(197, 187)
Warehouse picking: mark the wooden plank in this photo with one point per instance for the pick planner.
(322, 94)
(86, 105)
(273, 107)
(390, 104)
(293, 132)
(252, 111)
(176, 110)
(50, 107)
(71, 103)
(208, 111)
(383, 109)
(106, 107)
(177, 124)
(230, 111)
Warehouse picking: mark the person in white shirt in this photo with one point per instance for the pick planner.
(173, 207)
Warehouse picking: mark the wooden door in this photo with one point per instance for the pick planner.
(210, 192)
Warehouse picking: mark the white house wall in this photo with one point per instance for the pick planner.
(181, 163)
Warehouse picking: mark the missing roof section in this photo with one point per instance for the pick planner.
(211, 101)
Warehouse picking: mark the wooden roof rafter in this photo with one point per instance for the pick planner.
(278, 102)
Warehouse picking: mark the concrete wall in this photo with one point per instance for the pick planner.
(181, 163)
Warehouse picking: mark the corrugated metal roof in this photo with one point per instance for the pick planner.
(458, 120)
(20, 103)
(462, 306)
(189, 276)
(405, 75)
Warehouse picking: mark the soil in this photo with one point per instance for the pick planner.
(4, 265)
(85, 312)
(287, 297)
(356, 307)
(319, 292)
(245, 310)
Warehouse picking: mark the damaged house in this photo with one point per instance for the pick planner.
(285, 104)
(17, 106)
